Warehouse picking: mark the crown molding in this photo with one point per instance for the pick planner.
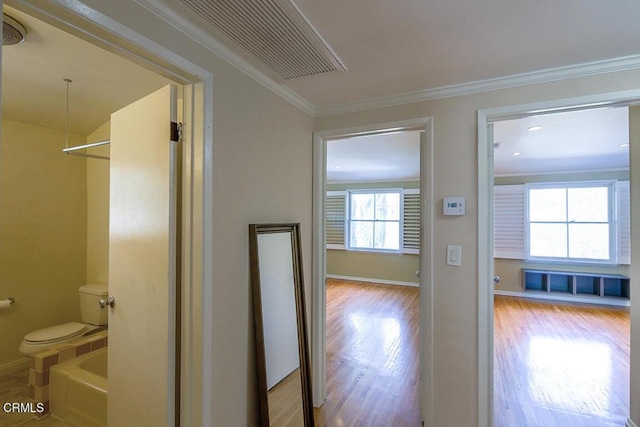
(173, 18)
(169, 15)
(534, 77)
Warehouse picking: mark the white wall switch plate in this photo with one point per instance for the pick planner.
(454, 255)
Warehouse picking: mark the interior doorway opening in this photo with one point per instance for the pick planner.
(197, 102)
(548, 249)
(325, 223)
(486, 216)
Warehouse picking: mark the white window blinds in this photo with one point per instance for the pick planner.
(509, 221)
(411, 221)
(336, 220)
(335, 208)
(623, 196)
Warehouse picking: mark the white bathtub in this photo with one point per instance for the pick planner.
(78, 389)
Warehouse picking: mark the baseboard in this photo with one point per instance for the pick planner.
(15, 366)
(630, 423)
(555, 297)
(370, 280)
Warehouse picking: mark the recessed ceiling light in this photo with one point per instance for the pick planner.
(623, 145)
(534, 128)
(515, 154)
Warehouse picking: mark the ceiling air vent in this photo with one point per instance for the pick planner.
(273, 31)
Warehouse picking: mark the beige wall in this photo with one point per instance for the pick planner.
(509, 270)
(98, 209)
(42, 231)
(373, 265)
(455, 316)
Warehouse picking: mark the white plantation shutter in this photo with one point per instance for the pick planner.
(411, 222)
(509, 221)
(623, 196)
(335, 208)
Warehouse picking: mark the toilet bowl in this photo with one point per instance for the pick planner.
(93, 318)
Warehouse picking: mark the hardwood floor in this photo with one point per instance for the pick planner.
(372, 356)
(285, 402)
(560, 365)
(555, 364)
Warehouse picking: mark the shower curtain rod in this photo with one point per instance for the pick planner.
(72, 150)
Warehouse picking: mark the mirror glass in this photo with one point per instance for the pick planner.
(280, 323)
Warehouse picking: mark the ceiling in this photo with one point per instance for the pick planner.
(374, 158)
(393, 48)
(33, 90)
(578, 141)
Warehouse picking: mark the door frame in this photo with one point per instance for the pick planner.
(319, 273)
(485, 221)
(197, 203)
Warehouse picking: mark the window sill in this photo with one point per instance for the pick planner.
(570, 262)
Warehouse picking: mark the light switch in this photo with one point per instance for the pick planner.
(454, 255)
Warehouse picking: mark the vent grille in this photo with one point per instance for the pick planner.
(12, 31)
(274, 32)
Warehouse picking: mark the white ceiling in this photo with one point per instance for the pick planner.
(568, 142)
(408, 46)
(579, 141)
(33, 90)
(392, 47)
(375, 158)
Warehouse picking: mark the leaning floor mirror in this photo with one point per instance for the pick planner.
(284, 376)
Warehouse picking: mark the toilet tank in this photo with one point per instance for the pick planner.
(89, 303)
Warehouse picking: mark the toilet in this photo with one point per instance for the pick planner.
(93, 317)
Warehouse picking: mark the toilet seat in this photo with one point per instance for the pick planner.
(56, 333)
(42, 338)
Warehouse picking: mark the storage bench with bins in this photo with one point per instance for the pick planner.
(567, 283)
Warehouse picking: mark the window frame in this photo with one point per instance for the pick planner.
(612, 222)
(400, 221)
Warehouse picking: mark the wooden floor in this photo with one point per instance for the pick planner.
(372, 356)
(560, 365)
(285, 402)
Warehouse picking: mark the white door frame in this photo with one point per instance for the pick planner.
(485, 222)
(318, 340)
(78, 19)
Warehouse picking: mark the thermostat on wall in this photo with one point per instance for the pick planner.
(454, 206)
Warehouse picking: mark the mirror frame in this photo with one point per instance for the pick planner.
(303, 341)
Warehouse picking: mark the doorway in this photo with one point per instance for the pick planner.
(486, 213)
(563, 358)
(319, 233)
(197, 101)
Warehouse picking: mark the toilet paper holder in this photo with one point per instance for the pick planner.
(6, 303)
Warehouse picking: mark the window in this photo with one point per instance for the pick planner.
(374, 220)
(568, 222)
(571, 222)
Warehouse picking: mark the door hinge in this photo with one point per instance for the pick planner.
(176, 131)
